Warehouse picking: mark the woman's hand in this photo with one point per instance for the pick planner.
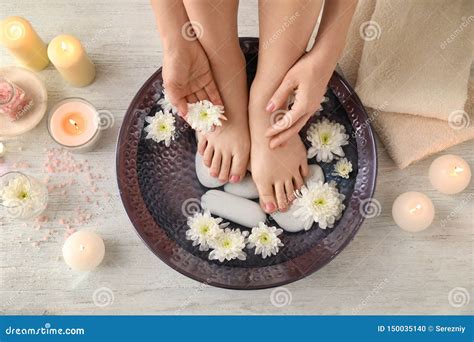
(187, 76)
(307, 81)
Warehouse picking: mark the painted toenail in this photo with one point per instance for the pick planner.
(270, 207)
(234, 179)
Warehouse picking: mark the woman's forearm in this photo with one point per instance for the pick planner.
(332, 33)
(170, 17)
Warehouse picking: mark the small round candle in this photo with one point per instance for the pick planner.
(83, 251)
(413, 211)
(71, 60)
(450, 174)
(74, 124)
(19, 37)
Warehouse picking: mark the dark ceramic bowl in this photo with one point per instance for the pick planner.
(159, 189)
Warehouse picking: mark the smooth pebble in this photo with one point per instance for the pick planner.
(234, 208)
(202, 172)
(246, 188)
(287, 220)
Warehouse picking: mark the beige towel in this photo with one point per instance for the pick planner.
(408, 64)
(396, 130)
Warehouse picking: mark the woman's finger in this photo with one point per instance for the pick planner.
(192, 98)
(283, 123)
(213, 93)
(281, 95)
(202, 95)
(287, 134)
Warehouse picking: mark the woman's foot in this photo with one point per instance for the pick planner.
(226, 150)
(277, 172)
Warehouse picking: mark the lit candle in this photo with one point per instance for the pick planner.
(74, 124)
(19, 37)
(83, 251)
(449, 174)
(413, 211)
(69, 57)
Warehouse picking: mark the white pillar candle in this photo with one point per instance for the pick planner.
(83, 251)
(413, 211)
(449, 174)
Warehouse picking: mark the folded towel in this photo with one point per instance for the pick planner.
(417, 57)
(395, 127)
(409, 138)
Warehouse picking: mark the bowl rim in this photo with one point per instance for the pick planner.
(365, 137)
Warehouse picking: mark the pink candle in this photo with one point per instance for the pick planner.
(74, 124)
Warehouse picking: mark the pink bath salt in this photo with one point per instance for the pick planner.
(35, 244)
(62, 221)
(41, 219)
(14, 102)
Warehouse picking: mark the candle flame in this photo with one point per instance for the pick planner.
(64, 46)
(74, 123)
(415, 209)
(457, 170)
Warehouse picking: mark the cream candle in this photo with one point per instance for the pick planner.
(74, 123)
(83, 251)
(449, 174)
(19, 37)
(71, 60)
(413, 211)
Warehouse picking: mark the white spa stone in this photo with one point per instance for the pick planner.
(315, 173)
(287, 220)
(202, 172)
(290, 223)
(246, 188)
(234, 208)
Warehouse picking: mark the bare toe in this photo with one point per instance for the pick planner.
(215, 168)
(290, 190)
(267, 198)
(281, 196)
(208, 153)
(225, 167)
(238, 169)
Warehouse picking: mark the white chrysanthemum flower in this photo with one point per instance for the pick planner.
(161, 127)
(203, 229)
(16, 192)
(228, 245)
(203, 116)
(166, 105)
(265, 240)
(327, 139)
(320, 201)
(342, 168)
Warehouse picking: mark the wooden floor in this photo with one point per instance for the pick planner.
(383, 271)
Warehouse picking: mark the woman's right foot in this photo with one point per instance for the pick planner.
(226, 150)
